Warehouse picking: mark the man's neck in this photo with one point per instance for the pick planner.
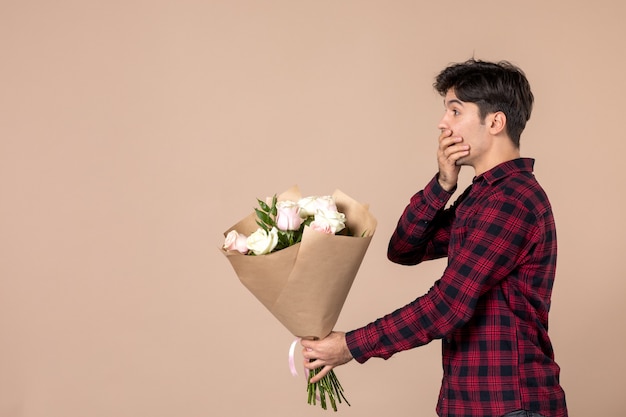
(496, 158)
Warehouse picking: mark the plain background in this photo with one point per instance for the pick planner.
(133, 133)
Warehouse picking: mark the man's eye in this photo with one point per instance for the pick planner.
(455, 112)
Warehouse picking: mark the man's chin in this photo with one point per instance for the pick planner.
(461, 162)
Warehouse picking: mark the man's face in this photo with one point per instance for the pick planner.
(463, 120)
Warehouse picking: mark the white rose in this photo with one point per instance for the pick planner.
(310, 205)
(329, 220)
(261, 242)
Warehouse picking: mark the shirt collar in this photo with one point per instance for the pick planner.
(505, 169)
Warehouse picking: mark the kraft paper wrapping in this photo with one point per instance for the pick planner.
(305, 285)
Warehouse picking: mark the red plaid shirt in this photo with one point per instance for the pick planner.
(491, 305)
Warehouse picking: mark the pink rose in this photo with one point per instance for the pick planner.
(236, 241)
(288, 215)
(322, 227)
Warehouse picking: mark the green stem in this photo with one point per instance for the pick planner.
(329, 384)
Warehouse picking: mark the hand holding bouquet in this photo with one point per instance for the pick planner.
(299, 257)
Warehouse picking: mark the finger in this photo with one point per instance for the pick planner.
(321, 374)
(307, 353)
(456, 152)
(449, 141)
(308, 343)
(313, 363)
(444, 134)
(448, 149)
(453, 147)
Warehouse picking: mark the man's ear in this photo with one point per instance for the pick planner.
(497, 123)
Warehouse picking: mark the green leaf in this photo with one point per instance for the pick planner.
(265, 218)
(273, 211)
(263, 226)
(263, 205)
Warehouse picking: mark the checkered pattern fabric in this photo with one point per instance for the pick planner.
(490, 307)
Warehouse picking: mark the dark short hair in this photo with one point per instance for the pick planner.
(493, 87)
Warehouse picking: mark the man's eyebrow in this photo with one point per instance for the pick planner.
(453, 101)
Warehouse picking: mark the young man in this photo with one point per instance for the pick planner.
(490, 306)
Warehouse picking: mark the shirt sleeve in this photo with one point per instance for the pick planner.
(423, 230)
(489, 248)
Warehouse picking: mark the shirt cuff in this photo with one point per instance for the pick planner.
(355, 340)
(435, 195)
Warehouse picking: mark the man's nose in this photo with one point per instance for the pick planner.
(443, 124)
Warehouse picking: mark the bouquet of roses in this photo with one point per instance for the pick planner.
(299, 256)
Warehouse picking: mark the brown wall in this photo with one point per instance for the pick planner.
(133, 133)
